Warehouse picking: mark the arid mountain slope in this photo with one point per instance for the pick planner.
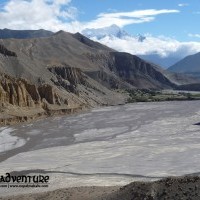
(35, 56)
(67, 71)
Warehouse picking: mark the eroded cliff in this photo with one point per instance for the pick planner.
(17, 97)
(70, 90)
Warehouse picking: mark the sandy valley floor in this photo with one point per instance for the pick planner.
(109, 146)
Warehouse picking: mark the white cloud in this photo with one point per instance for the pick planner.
(183, 4)
(36, 14)
(122, 19)
(121, 22)
(138, 13)
(194, 35)
(61, 1)
(55, 15)
(162, 46)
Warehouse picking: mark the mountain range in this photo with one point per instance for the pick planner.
(67, 72)
(111, 31)
(190, 65)
(24, 34)
(146, 47)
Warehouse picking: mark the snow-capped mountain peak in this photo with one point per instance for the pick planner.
(111, 31)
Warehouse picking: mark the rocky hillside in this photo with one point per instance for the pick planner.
(63, 72)
(169, 188)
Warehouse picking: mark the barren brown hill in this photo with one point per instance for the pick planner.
(66, 72)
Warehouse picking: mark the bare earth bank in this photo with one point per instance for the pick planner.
(184, 188)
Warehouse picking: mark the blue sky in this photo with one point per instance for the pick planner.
(180, 25)
(170, 18)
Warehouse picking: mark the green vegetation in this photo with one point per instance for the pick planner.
(145, 95)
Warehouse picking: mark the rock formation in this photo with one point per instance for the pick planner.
(18, 92)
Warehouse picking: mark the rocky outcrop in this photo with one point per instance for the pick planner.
(18, 92)
(67, 77)
(14, 93)
(71, 74)
(22, 101)
(6, 52)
